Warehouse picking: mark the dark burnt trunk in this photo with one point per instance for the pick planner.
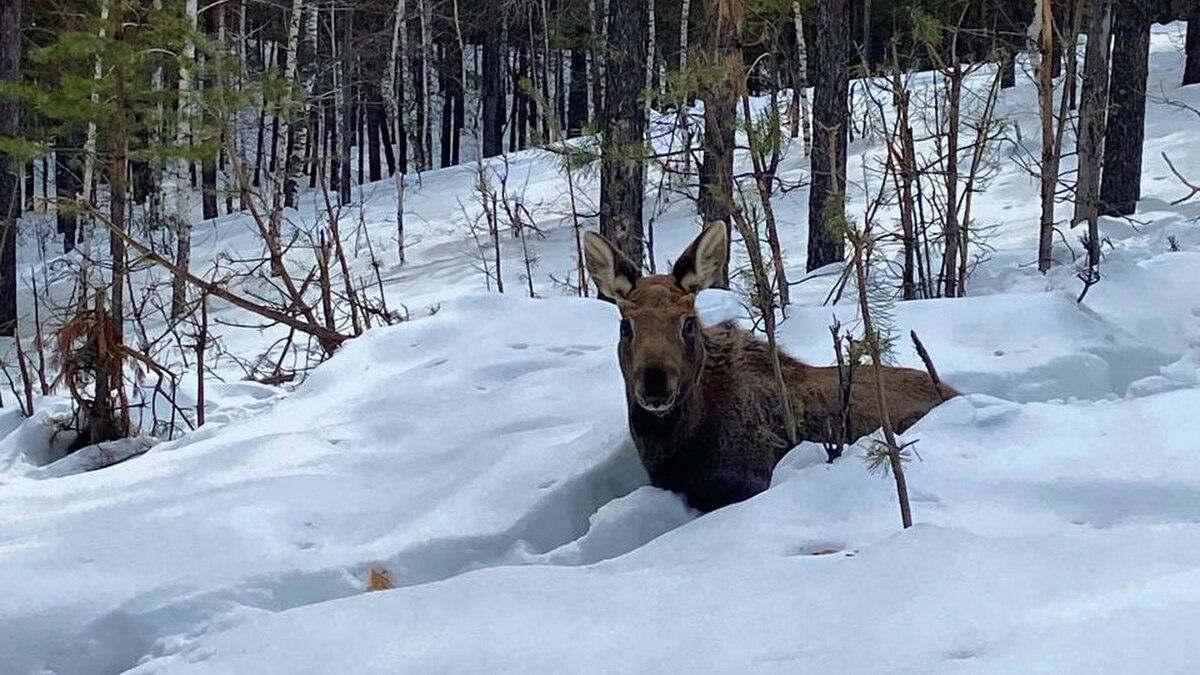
(208, 187)
(492, 85)
(577, 111)
(1191, 47)
(375, 124)
(1121, 180)
(68, 183)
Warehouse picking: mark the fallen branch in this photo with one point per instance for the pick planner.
(929, 367)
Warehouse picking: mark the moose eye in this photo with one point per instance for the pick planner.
(626, 329)
(689, 326)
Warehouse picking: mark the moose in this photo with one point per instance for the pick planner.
(705, 407)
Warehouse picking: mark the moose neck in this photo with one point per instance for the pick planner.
(660, 437)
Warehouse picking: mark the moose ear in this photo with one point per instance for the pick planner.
(702, 265)
(612, 271)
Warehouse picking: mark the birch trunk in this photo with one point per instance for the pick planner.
(285, 113)
(1049, 168)
(307, 135)
(427, 97)
(800, 123)
(89, 161)
(395, 94)
(180, 184)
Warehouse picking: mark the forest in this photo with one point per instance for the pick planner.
(326, 272)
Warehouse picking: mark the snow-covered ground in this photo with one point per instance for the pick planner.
(478, 456)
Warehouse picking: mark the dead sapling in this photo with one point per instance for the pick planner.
(887, 453)
(848, 360)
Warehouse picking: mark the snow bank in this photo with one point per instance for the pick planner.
(1053, 539)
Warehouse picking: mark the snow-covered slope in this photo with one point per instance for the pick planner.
(478, 456)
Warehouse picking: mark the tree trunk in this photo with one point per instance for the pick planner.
(601, 57)
(460, 113)
(180, 188)
(260, 141)
(549, 130)
(523, 104)
(396, 86)
(1093, 108)
(402, 80)
(1008, 78)
(577, 104)
(111, 418)
(651, 43)
(88, 189)
(800, 122)
(208, 187)
(10, 166)
(344, 95)
(723, 55)
(1191, 59)
(307, 159)
(1121, 182)
(358, 132)
(560, 92)
(282, 170)
(622, 156)
(447, 123)
(685, 16)
(1049, 164)
(493, 86)
(389, 153)
(426, 95)
(831, 88)
(66, 186)
(375, 124)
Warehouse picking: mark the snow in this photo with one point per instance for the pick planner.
(478, 454)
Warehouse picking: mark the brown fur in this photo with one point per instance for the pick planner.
(704, 405)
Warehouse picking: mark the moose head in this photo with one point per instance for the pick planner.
(661, 349)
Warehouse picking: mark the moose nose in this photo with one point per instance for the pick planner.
(654, 389)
